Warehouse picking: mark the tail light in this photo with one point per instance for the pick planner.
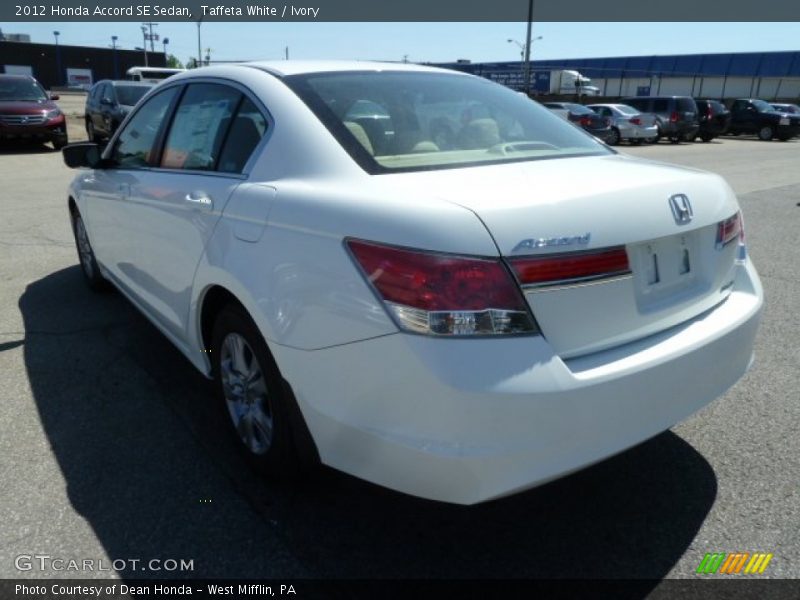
(585, 121)
(710, 111)
(575, 267)
(673, 117)
(443, 294)
(729, 230)
(636, 121)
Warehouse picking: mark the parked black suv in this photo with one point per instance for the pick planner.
(676, 116)
(715, 119)
(108, 103)
(751, 115)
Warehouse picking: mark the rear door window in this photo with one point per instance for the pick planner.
(199, 127)
(246, 131)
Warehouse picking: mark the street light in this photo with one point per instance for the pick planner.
(58, 58)
(114, 39)
(166, 41)
(525, 58)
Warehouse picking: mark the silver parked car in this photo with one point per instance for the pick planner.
(627, 123)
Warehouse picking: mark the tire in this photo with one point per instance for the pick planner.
(766, 133)
(256, 408)
(674, 139)
(614, 137)
(688, 137)
(59, 143)
(91, 272)
(706, 137)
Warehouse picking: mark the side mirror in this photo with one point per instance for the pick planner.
(54, 96)
(83, 154)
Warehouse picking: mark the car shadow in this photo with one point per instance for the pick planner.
(136, 437)
(18, 148)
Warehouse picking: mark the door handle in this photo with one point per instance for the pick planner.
(199, 200)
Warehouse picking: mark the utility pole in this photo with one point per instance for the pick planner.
(150, 25)
(287, 52)
(199, 50)
(208, 56)
(144, 43)
(528, 49)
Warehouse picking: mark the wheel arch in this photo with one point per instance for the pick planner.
(213, 300)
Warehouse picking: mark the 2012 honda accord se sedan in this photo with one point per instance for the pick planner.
(417, 276)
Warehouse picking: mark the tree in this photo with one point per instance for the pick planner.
(173, 62)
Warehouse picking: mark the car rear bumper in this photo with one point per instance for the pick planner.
(634, 132)
(466, 421)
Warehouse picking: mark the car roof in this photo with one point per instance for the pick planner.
(299, 67)
(20, 77)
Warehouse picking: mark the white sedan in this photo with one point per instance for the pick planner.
(416, 276)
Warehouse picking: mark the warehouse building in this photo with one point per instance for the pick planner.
(768, 75)
(71, 66)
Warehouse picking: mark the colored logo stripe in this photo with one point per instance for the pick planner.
(733, 563)
(758, 563)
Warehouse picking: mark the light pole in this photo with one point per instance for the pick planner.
(144, 43)
(166, 41)
(58, 58)
(199, 47)
(114, 39)
(525, 58)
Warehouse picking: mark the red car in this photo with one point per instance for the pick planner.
(28, 113)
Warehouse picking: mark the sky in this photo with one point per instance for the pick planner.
(426, 42)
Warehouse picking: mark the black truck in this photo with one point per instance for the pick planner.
(754, 116)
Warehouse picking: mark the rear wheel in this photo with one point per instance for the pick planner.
(251, 395)
(766, 133)
(613, 137)
(706, 137)
(689, 137)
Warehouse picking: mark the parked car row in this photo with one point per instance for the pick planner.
(682, 118)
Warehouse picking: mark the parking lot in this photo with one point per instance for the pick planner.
(110, 451)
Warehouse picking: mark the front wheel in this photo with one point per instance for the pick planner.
(91, 272)
(251, 395)
(766, 133)
(613, 137)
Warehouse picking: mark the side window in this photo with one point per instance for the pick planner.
(108, 92)
(135, 143)
(661, 105)
(199, 127)
(246, 132)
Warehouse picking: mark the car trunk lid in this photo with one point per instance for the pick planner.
(571, 207)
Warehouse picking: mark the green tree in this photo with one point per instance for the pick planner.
(173, 62)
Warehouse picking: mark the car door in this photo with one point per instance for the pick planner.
(105, 191)
(173, 207)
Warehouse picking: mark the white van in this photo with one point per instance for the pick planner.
(150, 74)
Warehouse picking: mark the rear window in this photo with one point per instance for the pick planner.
(399, 121)
(626, 110)
(578, 109)
(686, 105)
(131, 94)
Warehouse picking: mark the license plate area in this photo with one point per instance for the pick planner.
(666, 270)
